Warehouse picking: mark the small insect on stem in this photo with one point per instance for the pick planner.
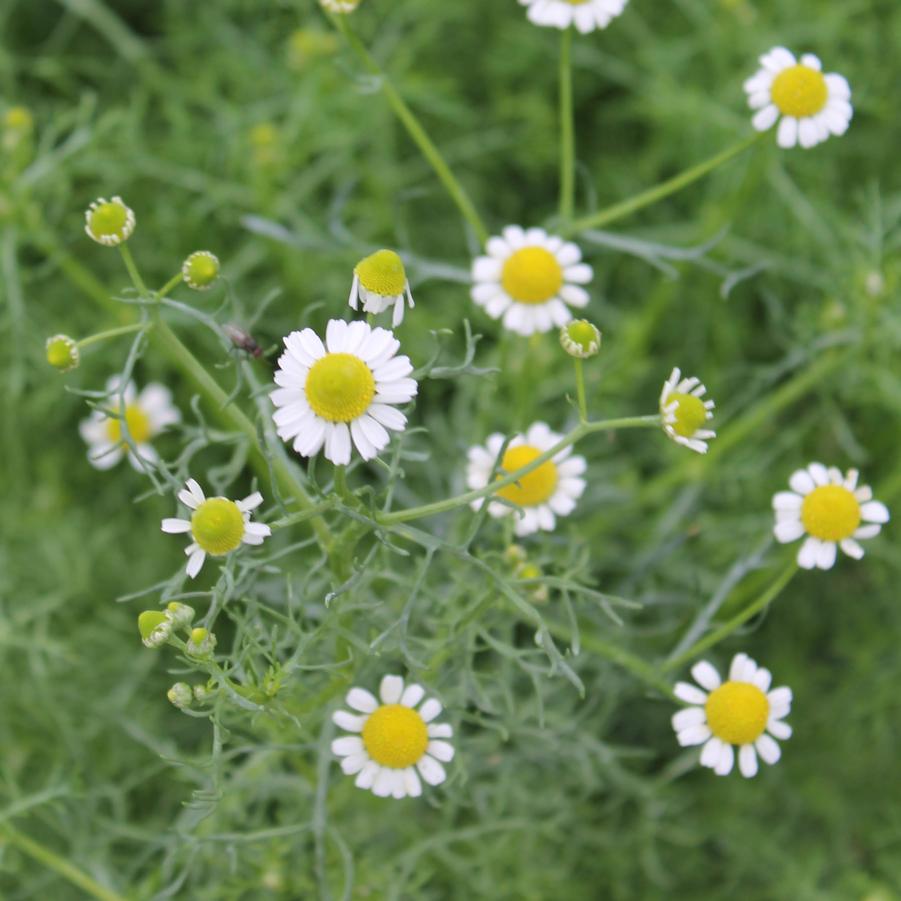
(242, 340)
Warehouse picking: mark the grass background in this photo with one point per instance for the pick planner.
(199, 116)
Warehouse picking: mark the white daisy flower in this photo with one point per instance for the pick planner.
(380, 282)
(530, 278)
(812, 105)
(683, 411)
(742, 712)
(109, 222)
(146, 415)
(395, 744)
(585, 15)
(831, 510)
(217, 525)
(549, 491)
(329, 394)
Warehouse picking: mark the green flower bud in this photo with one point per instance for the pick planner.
(200, 270)
(62, 353)
(203, 693)
(180, 695)
(155, 628)
(179, 615)
(201, 643)
(580, 338)
(109, 222)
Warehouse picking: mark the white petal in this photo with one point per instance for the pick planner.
(689, 693)
(807, 555)
(788, 530)
(710, 753)
(390, 689)
(195, 562)
(768, 749)
(430, 710)
(766, 118)
(779, 729)
(384, 783)
(705, 675)
(353, 763)
(412, 783)
(440, 730)
(412, 695)
(726, 761)
(176, 526)
(874, 511)
(787, 500)
(826, 554)
(780, 696)
(693, 735)
(347, 744)
(441, 750)
(762, 679)
(851, 548)
(349, 721)
(690, 716)
(801, 482)
(747, 761)
(251, 502)
(362, 700)
(431, 770)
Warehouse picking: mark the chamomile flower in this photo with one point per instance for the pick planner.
(146, 415)
(530, 279)
(109, 222)
(217, 525)
(831, 510)
(394, 743)
(585, 15)
(742, 713)
(683, 411)
(549, 491)
(380, 282)
(343, 390)
(812, 105)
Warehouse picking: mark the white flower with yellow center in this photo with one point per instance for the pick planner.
(109, 222)
(812, 105)
(742, 712)
(217, 525)
(832, 510)
(380, 282)
(394, 743)
(342, 390)
(683, 411)
(146, 415)
(548, 491)
(585, 15)
(530, 278)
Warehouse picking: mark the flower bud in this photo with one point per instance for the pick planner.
(155, 628)
(180, 695)
(203, 693)
(201, 643)
(200, 270)
(580, 338)
(109, 222)
(179, 615)
(62, 353)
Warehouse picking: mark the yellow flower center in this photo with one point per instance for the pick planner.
(799, 91)
(533, 488)
(382, 273)
(138, 423)
(395, 736)
(340, 387)
(108, 219)
(690, 413)
(218, 526)
(737, 712)
(532, 275)
(830, 513)
(202, 269)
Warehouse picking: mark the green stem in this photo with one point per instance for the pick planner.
(341, 485)
(133, 273)
(728, 627)
(461, 500)
(414, 128)
(292, 519)
(658, 192)
(580, 389)
(111, 333)
(53, 861)
(173, 282)
(567, 129)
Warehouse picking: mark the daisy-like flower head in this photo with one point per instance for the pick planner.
(62, 353)
(109, 222)
(344, 389)
(380, 281)
(200, 270)
(146, 415)
(217, 525)
(742, 712)
(831, 510)
(394, 743)
(585, 15)
(812, 105)
(683, 411)
(580, 338)
(548, 491)
(340, 6)
(530, 279)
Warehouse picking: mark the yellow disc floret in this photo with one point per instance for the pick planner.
(737, 712)
(217, 526)
(108, 220)
(532, 275)
(382, 273)
(799, 91)
(200, 270)
(534, 488)
(340, 387)
(690, 413)
(138, 423)
(395, 736)
(830, 513)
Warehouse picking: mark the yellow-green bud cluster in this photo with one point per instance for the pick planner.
(200, 270)
(180, 695)
(580, 338)
(62, 353)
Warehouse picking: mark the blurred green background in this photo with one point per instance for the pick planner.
(224, 132)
